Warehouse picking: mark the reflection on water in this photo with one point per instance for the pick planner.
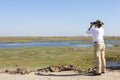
(82, 43)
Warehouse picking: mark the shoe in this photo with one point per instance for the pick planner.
(96, 74)
(103, 72)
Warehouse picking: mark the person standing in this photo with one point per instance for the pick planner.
(97, 32)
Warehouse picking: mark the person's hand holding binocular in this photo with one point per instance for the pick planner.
(91, 24)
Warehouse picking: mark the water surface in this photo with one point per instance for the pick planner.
(82, 43)
(113, 63)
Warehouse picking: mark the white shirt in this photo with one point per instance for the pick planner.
(97, 34)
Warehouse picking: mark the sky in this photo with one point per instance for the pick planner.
(57, 17)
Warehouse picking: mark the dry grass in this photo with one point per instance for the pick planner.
(41, 38)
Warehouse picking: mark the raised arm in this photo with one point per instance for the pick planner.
(91, 24)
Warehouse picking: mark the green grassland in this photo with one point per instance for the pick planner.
(45, 56)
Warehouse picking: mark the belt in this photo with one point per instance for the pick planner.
(98, 42)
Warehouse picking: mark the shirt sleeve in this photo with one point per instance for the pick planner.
(91, 31)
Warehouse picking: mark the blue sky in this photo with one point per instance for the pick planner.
(57, 17)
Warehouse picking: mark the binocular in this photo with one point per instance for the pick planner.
(92, 22)
(101, 23)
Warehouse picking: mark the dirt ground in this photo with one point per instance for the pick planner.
(67, 75)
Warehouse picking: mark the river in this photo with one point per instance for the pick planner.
(82, 43)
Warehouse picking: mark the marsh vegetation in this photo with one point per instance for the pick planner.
(51, 55)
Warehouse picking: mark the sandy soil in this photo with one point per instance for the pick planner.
(69, 75)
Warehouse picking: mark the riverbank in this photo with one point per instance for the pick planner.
(39, 57)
